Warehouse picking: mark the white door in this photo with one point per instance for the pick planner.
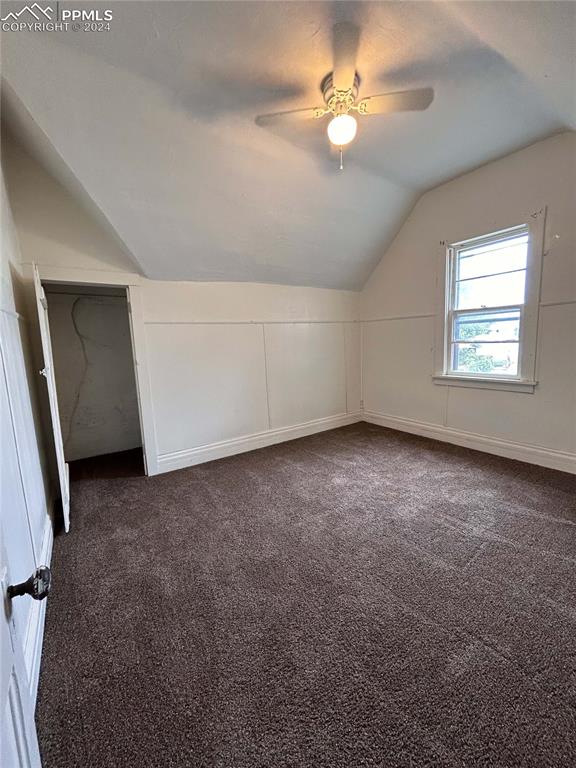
(18, 742)
(48, 373)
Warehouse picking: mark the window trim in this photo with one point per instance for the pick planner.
(525, 381)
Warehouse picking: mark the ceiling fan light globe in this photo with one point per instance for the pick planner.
(342, 130)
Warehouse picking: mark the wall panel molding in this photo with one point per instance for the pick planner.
(399, 317)
(250, 322)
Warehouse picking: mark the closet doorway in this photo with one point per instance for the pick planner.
(92, 384)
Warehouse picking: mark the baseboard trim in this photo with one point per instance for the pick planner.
(35, 631)
(544, 457)
(532, 454)
(168, 462)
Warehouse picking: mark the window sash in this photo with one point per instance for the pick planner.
(459, 318)
(452, 340)
(533, 228)
(495, 237)
(483, 374)
(452, 313)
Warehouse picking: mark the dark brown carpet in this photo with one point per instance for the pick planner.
(361, 597)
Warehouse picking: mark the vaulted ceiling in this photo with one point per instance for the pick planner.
(153, 121)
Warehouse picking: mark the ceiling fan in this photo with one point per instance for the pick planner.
(340, 91)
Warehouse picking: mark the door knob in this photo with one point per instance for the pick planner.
(37, 586)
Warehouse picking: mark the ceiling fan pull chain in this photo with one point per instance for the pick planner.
(341, 160)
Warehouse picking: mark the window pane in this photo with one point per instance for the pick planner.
(488, 326)
(491, 291)
(496, 257)
(501, 359)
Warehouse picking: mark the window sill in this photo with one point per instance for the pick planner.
(486, 382)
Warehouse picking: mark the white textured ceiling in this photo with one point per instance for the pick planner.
(154, 122)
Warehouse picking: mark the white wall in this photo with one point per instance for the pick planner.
(94, 370)
(51, 225)
(25, 498)
(400, 303)
(234, 361)
(233, 366)
(216, 353)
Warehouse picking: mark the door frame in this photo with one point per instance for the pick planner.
(132, 283)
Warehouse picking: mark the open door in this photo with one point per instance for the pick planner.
(48, 373)
(18, 741)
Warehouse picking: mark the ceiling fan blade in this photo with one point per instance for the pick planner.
(291, 116)
(345, 39)
(402, 101)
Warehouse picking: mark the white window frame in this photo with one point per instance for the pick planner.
(525, 379)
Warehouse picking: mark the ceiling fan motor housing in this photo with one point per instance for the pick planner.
(339, 102)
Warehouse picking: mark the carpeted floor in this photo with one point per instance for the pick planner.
(361, 597)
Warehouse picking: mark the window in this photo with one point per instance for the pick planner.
(491, 303)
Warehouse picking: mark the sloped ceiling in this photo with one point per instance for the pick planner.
(154, 122)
